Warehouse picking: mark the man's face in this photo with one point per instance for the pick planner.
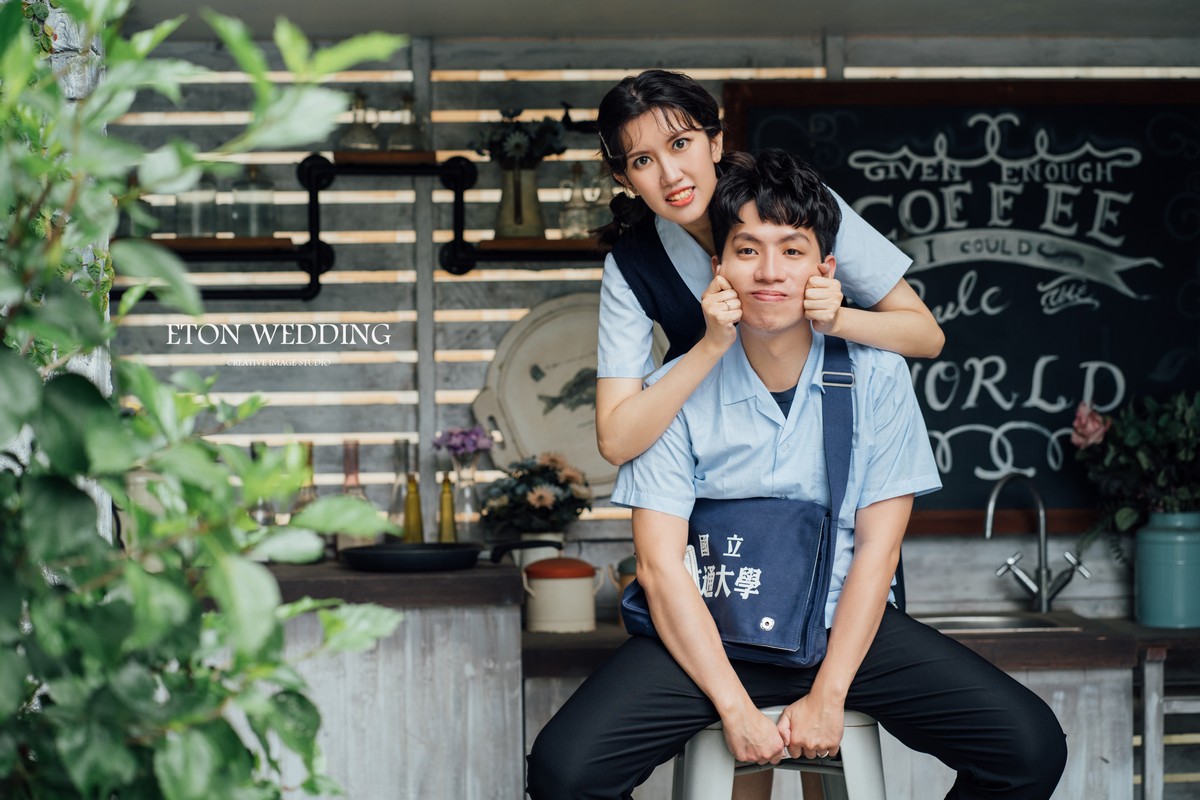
(769, 265)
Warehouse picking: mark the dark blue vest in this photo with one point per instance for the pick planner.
(657, 285)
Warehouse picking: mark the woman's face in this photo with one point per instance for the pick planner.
(672, 167)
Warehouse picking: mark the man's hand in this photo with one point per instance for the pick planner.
(822, 299)
(752, 737)
(812, 727)
(722, 310)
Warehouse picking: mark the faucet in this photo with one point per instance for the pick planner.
(1043, 588)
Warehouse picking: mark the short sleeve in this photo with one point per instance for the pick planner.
(626, 335)
(900, 457)
(868, 265)
(663, 477)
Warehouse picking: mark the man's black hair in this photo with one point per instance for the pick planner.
(784, 189)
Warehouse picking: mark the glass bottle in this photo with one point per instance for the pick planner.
(400, 468)
(575, 216)
(446, 530)
(414, 527)
(466, 503)
(408, 133)
(252, 212)
(308, 492)
(351, 487)
(196, 210)
(306, 496)
(261, 510)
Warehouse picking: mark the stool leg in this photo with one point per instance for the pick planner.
(862, 763)
(707, 768)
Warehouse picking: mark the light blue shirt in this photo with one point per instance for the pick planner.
(868, 265)
(731, 441)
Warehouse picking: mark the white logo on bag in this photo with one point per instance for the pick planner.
(748, 581)
(733, 544)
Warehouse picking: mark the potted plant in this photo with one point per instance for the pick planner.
(1145, 464)
(518, 147)
(537, 498)
(145, 661)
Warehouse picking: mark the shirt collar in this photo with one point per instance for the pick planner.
(740, 382)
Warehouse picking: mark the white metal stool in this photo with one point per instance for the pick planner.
(705, 768)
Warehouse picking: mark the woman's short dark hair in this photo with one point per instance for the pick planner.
(681, 100)
(786, 191)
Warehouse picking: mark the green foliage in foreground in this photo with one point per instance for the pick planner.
(156, 669)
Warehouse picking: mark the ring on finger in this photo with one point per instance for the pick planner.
(727, 306)
(823, 755)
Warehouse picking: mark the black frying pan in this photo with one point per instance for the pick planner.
(430, 556)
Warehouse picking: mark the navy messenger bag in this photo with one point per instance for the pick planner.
(763, 564)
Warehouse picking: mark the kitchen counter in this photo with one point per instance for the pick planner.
(1074, 642)
(483, 585)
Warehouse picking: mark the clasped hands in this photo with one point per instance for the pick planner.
(807, 728)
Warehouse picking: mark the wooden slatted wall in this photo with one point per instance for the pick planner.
(385, 259)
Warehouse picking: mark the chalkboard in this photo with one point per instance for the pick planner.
(1055, 233)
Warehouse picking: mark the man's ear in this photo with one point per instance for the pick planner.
(830, 266)
(716, 265)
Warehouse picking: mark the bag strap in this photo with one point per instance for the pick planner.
(837, 379)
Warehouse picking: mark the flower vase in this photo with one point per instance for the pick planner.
(1167, 571)
(466, 501)
(520, 213)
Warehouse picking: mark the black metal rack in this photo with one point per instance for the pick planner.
(315, 257)
(457, 256)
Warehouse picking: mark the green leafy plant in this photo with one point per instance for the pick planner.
(512, 142)
(152, 666)
(1144, 459)
(539, 494)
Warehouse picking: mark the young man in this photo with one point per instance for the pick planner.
(753, 428)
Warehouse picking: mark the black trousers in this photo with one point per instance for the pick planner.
(638, 709)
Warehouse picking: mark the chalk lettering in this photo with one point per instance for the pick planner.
(1065, 292)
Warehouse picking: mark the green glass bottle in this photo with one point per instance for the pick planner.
(414, 528)
(446, 530)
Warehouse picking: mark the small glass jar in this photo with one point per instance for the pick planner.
(196, 210)
(408, 134)
(360, 133)
(252, 212)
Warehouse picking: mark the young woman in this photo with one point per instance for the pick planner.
(661, 135)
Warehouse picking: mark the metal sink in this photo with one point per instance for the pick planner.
(1003, 622)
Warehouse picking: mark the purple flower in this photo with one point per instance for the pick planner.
(463, 441)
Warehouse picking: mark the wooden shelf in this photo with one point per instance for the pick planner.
(541, 245)
(192, 244)
(376, 157)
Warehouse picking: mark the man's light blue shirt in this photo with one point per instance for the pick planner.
(868, 267)
(731, 441)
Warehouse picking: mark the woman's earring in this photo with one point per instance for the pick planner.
(630, 193)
